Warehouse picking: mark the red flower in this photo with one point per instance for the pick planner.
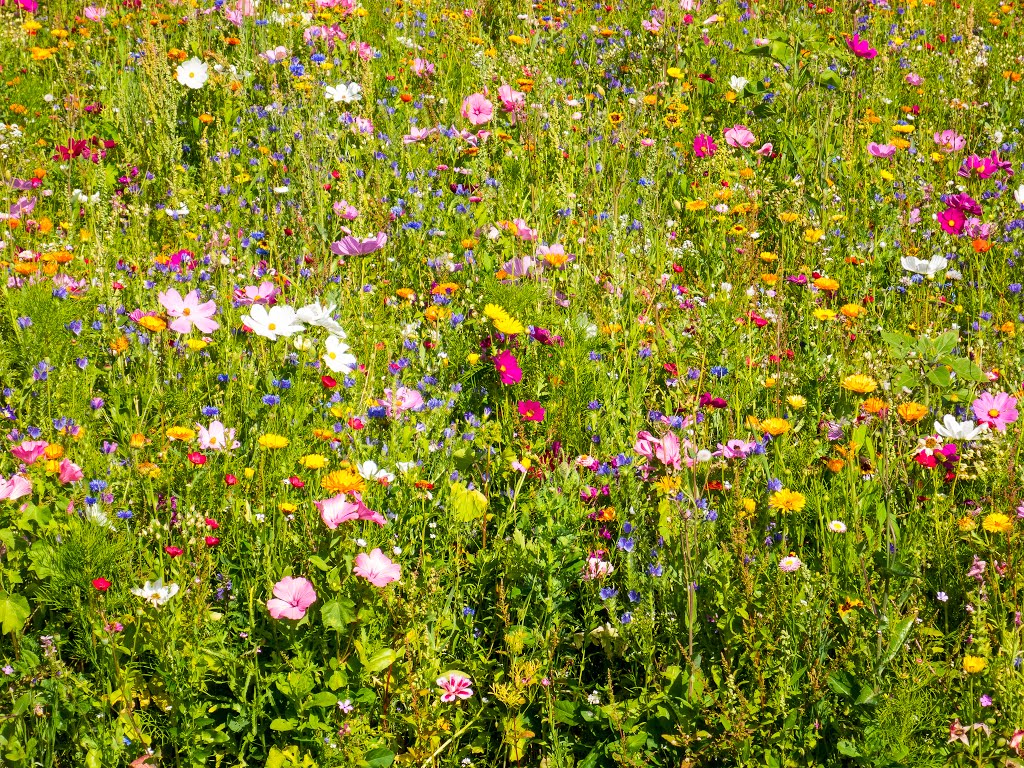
(212, 541)
(296, 482)
(212, 523)
(101, 584)
(328, 382)
(355, 423)
(197, 458)
(230, 480)
(174, 551)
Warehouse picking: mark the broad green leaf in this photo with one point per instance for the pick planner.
(14, 612)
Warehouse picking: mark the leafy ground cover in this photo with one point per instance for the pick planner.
(484, 384)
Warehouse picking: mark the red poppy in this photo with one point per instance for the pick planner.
(101, 584)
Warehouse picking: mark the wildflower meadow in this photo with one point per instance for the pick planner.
(452, 383)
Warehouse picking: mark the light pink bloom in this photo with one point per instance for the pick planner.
(401, 400)
(69, 472)
(477, 109)
(337, 510)
(377, 568)
(418, 134)
(216, 437)
(739, 136)
(15, 488)
(264, 293)
(94, 13)
(666, 450)
(455, 686)
(188, 312)
(346, 211)
(883, 151)
(998, 411)
(359, 246)
(274, 55)
(522, 231)
(292, 596)
(765, 150)
(949, 141)
(511, 100)
(422, 68)
(29, 451)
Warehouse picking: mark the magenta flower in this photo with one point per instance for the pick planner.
(860, 48)
(477, 109)
(356, 246)
(455, 686)
(29, 451)
(508, 368)
(884, 151)
(69, 472)
(952, 221)
(188, 312)
(531, 410)
(704, 145)
(998, 411)
(982, 167)
(739, 136)
(292, 596)
(512, 100)
(377, 568)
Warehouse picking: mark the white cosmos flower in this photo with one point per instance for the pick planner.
(345, 92)
(155, 592)
(320, 316)
(279, 320)
(952, 429)
(80, 197)
(192, 73)
(927, 268)
(1018, 194)
(337, 356)
(369, 470)
(738, 83)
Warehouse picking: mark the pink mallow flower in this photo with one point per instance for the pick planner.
(292, 596)
(456, 686)
(15, 488)
(739, 136)
(69, 472)
(188, 312)
(339, 509)
(477, 109)
(998, 411)
(29, 451)
(377, 568)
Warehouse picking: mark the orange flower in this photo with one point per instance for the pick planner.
(981, 246)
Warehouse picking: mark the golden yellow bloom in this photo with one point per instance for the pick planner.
(344, 481)
(824, 314)
(812, 235)
(119, 345)
(675, 73)
(775, 427)
(54, 451)
(287, 507)
(313, 461)
(853, 311)
(137, 440)
(835, 465)
(997, 522)
(180, 433)
(272, 441)
(873, 405)
(769, 278)
(152, 323)
(826, 284)
(787, 501)
(860, 384)
(148, 469)
(196, 344)
(502, 320)
(696, 205)
(768, 256)
(903, 128)
(966, 524)
(974, 664)
(911, 412)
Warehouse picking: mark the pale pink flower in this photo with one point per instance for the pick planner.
(401, 400)
(455, 686)
(216, 437)
(15, 488)
(94, 13)
(337, 510)
(511, 100)
(264, 293)
(275, 55)
(29, 451)
(477, 109)
(292, 596)
(422, 68)
(739, 136)
(377, 568)
(188, 312)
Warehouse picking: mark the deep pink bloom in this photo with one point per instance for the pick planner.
(292, 596)
(29, 451)
(952, 221)
(377, 568)
(477, 109)
(455, 686)
(860, 48)
(739, 136)
(665, 450)
(188, 312)
(531, 410)
(69, 472)
(704, 145)
(884, 151)
(508, 368)
(512, 101)
(998, 411)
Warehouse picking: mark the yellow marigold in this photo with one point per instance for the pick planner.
(788, 217)
(853, 311)
(824, 314)
(272, 441)
(797, 402)
(974, 664)
(696, 205)
(769, 278)
(860, 384)
(444, 289)
(137, 440)
(997, 522)
(54, 451)
(768, 256)
(813, 235)
(119, 345)
(344, 481)
(148, 469)
(873, 404)
(775, 427)
(966, 524)
(835, 465)
(152, 323)
(911, 412)
(503, 321)
(787, 501)
(287, 507)
(180, 433)
(313, 461)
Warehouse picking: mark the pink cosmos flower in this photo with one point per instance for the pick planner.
(216, 437)
(914, 79)
(29, 451)
(455, 686)
(264, 293)
(188, 312)
(345, 211)
(949, 141)
(739, 136)
(508, 368)
(952, 221)
(531, 410)
(860, 48)
(292, 596)
(973, 165)
(523, 232)
(884, 151)
(401, 400)
(14, 488)
(69, 472)
(704, 145)
(998, 411)
(377, 568)
(666, 450)
(477, 109)
(418, 134)
(275, 55)
(355, 246)
(766, 150)
(422, 68)
(94, 13)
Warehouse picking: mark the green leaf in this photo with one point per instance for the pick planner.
(466, 504)
(14, 612)
(940, 377)
(323, 699)
(382, 659)
(338, 613)
(899, 636)
(828, 77)
(380, 757)
(281, 724)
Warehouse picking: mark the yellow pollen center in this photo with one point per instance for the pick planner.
(272, 326)
(993, 412)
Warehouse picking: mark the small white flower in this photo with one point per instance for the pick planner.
(837, 526)
(738, 83)
(927, 268)
(369, 470)
(320, 316)
(345, 92)
(155, 592)
(952, 429)
(337, 356)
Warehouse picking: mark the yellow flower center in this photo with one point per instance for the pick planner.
(993, 412)
(272, 326)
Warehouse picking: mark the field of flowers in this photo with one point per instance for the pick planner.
(491, 383)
